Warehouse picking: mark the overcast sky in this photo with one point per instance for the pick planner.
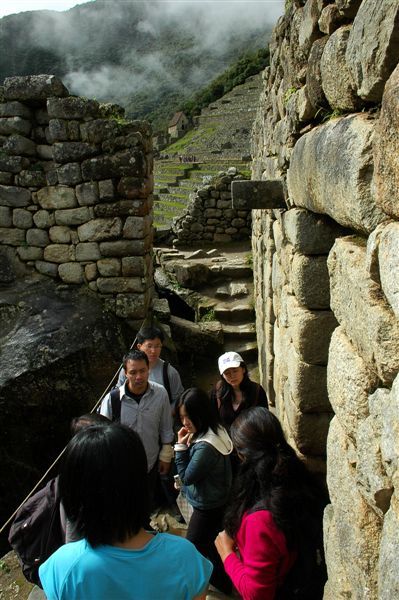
(9, 7)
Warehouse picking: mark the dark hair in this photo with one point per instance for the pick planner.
(103, 483)
(88, 420)
(149, 333)
(135, 355)
(271, 477)
(200, 410)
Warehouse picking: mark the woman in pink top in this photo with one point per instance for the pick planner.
(272, 544)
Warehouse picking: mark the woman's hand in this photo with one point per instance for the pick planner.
(182, 436)
(225, 545)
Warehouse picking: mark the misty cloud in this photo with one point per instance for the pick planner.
(209, 28)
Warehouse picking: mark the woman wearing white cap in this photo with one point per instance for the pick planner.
(235, 392)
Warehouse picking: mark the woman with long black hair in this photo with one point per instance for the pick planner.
(202, 456)
(234, 391)
(272, 543)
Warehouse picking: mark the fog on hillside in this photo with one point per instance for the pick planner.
(113, 50)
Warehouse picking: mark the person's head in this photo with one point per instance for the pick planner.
(88, 420)
(232, 369)
(256, 433)
(136, 367)
(103, 483)
(150, 340)
(196, 411)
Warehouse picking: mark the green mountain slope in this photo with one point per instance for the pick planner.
(148, 56)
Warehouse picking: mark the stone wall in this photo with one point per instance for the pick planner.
(210, 215)
(326, 271)
(75, 192)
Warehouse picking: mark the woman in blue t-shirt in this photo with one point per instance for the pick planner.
(103, 485)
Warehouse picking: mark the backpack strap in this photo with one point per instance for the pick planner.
(257, 394)
(116, 404)
(165, 378)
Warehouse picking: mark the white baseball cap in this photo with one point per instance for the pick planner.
(228, 360)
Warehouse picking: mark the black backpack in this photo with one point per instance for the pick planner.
(36, 531)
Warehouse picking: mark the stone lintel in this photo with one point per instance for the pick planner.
(258, 194)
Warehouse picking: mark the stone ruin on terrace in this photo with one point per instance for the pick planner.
(75, 192)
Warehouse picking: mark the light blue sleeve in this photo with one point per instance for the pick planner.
(200, 570)
(49, 580)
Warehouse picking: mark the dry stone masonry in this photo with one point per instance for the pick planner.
(210, 214)
(326, 271)
(75, 191)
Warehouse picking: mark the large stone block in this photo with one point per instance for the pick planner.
(125, 163)
(59, 253)
(12, 237)
(131, 306)
(390, 431)
(337, 586)
(11, 125)
(13, 164)
(339, 166)
(71, 108)
(43, 219)
(87, 251)
(15, 109)
(388, 252)
(5, 216)
(100, 229)
(308, 385)
(71, 272)
(30, 253)
(109, 267)
(349, 381)
(374, 484)
(372, 50)
(69, 174)
(337, 82)
(358, 527)
(362, 310)
(19, 145)
(309, 30)
(37, 237)
(120, 285)
(311, 332)
(14, 196)
(60, 234)
(348, 8)
(46, 268)
(310, 281)
(72, 216)
(137, 227)
(56, 197)
(388, 564)
(135, 266)
(386, 149)
(33, 87)
(68, 152)
(309, 233)
(309, 431)
(125, 248)
(87, 193)
(22, 218)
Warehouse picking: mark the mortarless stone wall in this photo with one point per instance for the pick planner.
(75, 192)
(327, 275)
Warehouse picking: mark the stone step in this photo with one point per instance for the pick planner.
(248, 350)
(246, 331)
(231, 270)
(234, 314)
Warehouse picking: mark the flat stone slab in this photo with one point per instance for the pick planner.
(258, 194)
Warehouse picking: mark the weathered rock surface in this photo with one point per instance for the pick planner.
(58, 351)
(386, 149)
(339, 166)
(362, 310)
(372, 50)
(337, 81)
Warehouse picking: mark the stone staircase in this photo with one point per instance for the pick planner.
(218, 285)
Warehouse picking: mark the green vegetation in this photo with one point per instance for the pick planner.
(290, 92)
(209, 315)
(248, 64)
(181, 144)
